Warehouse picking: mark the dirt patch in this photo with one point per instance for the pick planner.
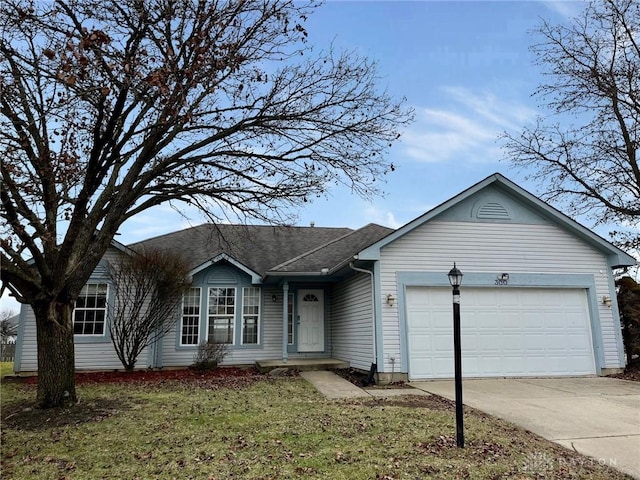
(221, 374)
(432, 402)
(26, 416)
(488, 451)
(359, 379)
(632, 372)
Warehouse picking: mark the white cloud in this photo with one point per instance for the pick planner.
(381, 216)
(465, 129)
(565, 8)
(158, 221)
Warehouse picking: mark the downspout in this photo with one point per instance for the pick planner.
(374, 364)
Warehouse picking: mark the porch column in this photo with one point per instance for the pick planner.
(285, 323)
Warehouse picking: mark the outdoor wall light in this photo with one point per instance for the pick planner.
(391, 300)
(606, 300)
(274, 298)
(503, 276)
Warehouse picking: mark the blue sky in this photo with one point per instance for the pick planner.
(466, 69)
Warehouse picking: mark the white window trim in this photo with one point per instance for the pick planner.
(235, 312)
(104, 309)
(199, 320)
(258, 296)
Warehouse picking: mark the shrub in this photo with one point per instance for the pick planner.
(209, 355)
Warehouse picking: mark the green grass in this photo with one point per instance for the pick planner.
(6, 368)
(280, 429)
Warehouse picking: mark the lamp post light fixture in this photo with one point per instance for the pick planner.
(455, 279)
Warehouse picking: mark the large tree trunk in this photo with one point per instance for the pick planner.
(56, 356)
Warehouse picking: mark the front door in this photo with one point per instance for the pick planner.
(310, 321)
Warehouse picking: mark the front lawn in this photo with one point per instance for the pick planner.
(6, 368)
(253, 427)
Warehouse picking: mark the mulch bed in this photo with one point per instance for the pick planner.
(161, 376)
(359, 379)
(632, 372)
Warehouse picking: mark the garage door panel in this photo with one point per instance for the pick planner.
(557, 343)
(479, 319)
(487, 299)
(444, 366)
(505, 332)
(513, 365)
(511, 342)
(486, 343)
(441, 343)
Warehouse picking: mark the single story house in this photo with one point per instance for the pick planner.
(537, 298)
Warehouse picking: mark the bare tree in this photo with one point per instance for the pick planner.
(7, 327)
(148, 288)
(585, 154)
(110, 107)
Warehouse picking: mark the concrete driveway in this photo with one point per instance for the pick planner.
(599, 417)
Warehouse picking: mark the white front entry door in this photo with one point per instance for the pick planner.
(310, 321)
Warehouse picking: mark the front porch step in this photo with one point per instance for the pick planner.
(301, 364)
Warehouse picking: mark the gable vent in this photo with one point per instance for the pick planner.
(223, 275)
(493, 211)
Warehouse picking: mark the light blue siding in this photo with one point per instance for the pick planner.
(95, 353)
(485, 249)
(351, 321)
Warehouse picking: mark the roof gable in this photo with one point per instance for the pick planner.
(498, 199)
(223, 257)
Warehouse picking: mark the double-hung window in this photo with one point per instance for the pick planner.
(250, 315)
(190, 317)
(90, 312)
(222, 314)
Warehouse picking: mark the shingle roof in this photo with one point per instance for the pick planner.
(259, 247)
(336, 253)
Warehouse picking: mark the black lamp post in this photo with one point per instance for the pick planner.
(455, 279)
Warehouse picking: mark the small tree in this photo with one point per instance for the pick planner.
(148, 290)
(629, 304)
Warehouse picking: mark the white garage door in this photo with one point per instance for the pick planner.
(505, 332)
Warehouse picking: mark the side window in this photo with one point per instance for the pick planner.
(190, 317)
(290, 319)
(250, 315)
(90, 311)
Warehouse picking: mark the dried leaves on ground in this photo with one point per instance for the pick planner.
(240, 424)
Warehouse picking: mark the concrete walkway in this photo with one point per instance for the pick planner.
(334, 387)
(599, 417)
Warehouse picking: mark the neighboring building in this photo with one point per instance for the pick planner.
(538, 295)
(10, 329)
